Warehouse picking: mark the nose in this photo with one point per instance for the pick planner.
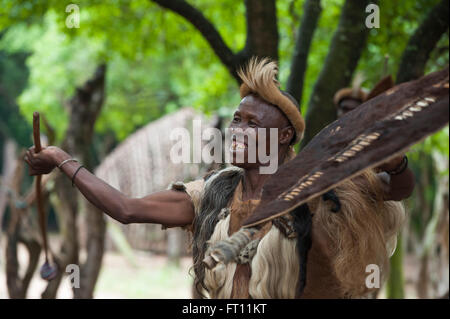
(242, 125)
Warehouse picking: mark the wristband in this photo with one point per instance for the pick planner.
(66, 161)
(75, 174)
(401, 168)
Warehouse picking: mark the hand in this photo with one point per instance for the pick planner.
(42, 162)
(392, 164)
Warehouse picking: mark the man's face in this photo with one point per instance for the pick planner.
(347, 105)
(252, 114)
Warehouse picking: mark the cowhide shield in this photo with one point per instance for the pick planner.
(376, 131)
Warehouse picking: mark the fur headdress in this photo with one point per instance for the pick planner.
(259, 77)
(360, 94)
(355, 92)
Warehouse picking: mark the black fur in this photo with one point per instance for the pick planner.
(302, 225)
(331, 195)
(217, 195)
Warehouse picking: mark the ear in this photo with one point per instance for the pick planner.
(286, 135)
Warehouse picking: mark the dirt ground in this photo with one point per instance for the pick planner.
(147, 276)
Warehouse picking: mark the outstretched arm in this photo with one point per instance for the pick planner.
(169, 208)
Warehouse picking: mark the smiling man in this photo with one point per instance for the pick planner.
(214, 207)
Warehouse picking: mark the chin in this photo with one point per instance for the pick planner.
(240, 165)
(246, 166)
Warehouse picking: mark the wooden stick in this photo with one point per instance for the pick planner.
(39, 199)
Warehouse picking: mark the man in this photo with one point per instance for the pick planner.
(348, 99)
(215, 207)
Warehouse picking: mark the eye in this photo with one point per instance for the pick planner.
(252, 124)
(236, 119)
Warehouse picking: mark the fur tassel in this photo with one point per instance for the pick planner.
(302, 225)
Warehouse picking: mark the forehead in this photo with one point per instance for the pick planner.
(350, 102)
(255, 107)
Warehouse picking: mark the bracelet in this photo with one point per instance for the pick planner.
(67, 160)
(402, 167)
(75, 174)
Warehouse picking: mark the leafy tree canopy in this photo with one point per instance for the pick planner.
(157, 62)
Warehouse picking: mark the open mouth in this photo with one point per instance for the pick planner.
(237, 146)
(238, 143)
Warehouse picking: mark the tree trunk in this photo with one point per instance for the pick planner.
(174, 245)
(423, 281)
(346, 47)
(422, 42)
(395, 284)
(84, 108)
(9, 161)
(64, 200)
(434, 256)
(20, 230)
(262, 29)
(311, 15)
(96, 231)
(443, 240)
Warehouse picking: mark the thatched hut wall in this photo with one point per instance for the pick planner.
(141, 165)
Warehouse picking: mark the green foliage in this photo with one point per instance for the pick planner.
(428, 174)
(398, 21)
(158, 62)
(437, 142)
(13, 77)
(151, 70)
(55, 70)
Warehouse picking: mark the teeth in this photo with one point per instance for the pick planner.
(236, 145)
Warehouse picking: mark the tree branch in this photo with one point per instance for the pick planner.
(206, 28)
(422, 42)
(311, 13)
